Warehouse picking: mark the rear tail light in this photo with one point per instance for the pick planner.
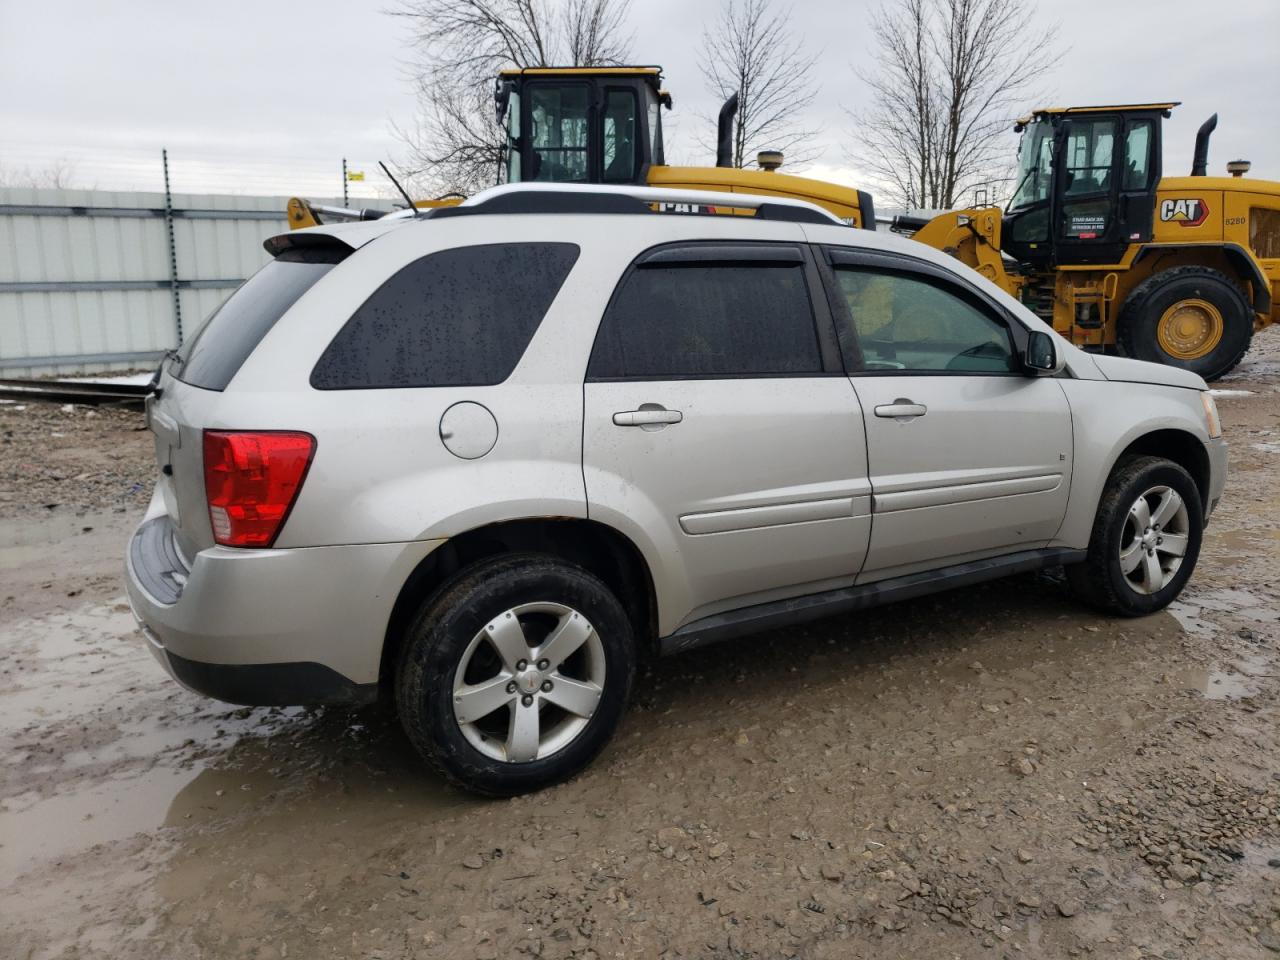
(251, 480)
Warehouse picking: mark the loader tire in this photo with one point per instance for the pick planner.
(1195, 318)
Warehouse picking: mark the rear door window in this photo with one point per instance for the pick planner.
(224, 341)
(460, 317)
(707, 320)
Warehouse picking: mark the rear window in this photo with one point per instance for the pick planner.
(224, 341)
(456, 318)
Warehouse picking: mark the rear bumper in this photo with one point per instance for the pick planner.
(268, 627)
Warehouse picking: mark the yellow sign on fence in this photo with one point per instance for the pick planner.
(355, 175)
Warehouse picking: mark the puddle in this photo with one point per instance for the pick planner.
(98, 745)
(1237, 679)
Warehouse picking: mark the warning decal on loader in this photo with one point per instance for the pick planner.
(1186, 213)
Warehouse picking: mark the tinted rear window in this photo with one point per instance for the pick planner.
(708, 320)
(224, 341)
(459, 317)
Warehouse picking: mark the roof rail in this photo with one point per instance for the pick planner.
(600, 199)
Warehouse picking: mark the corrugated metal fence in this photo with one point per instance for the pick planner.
(94, 280)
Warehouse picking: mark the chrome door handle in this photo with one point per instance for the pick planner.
(902, 409)
(647, 416)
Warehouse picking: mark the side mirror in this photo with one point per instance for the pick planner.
(1041, 355)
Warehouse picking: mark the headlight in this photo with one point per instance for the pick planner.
(1211, 421)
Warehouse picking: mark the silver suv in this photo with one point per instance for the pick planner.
(482, 461)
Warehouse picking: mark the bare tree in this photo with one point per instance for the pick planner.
(454, 144)
(949, 79)
(751, 50)
(58, 175)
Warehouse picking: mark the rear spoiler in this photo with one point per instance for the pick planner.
(347, 237)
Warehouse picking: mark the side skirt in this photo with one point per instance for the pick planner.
(786, 613)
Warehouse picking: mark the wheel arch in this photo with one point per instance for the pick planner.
(1180, 446)
(602, 549)
(1238, 262)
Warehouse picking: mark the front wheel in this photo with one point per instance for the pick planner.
(1146, 539)
(516, 674)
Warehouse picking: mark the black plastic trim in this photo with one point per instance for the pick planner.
(155, 560)
(547, 201)
(736, 253)
(788, 214)
(816, 606)
(1237, 254)
(271, 684)
(867, 206)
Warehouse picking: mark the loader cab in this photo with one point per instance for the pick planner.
(1085, 185)
(580, 124)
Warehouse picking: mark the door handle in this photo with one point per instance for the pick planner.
(649, 415)
(902, 409)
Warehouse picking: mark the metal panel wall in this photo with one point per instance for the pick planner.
(85, 274)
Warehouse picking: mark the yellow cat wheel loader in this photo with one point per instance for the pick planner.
(604, 125)
(1177, 270)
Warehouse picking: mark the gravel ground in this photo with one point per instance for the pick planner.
(994, 772)
(72, 458)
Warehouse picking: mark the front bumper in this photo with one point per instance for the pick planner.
(268, 627)
(1217, 451)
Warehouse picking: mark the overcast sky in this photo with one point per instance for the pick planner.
(269, 96)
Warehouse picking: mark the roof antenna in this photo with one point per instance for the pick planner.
(416, 211)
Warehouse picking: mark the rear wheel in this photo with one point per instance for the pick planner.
(1145, 541)
(515, 675)
(1189, 317)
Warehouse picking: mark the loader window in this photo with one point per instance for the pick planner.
(1137, 155)
(1090, 144)
(907, 324)
(558, 120)
(1264, 232)
(619, 137)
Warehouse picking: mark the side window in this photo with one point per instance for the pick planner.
(690, 320)
(618, 136)
(1137, 155)
(558, 115)
(908, 324)
(460, 317)
(1088, 156)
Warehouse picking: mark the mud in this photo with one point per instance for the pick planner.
(989, 773)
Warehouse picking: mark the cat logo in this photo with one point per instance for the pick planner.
(1186, 213)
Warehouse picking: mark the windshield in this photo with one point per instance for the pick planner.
(1035, 155)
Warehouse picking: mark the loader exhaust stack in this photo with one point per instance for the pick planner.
(724, 132)
(1200, 159)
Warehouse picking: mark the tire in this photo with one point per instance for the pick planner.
(1101, 580)
(1204, 292)
(452, 649)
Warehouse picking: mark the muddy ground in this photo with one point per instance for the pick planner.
(989, 773)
